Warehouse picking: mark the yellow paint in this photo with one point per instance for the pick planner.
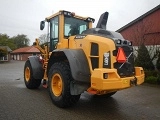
(27, 74)
(125, 81)
(98, 83)
(114, 81)
(56, 84)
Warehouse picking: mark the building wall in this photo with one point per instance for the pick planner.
(145, 31)
(25, 56)
(22, 56)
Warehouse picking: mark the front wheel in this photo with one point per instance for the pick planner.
(59, 85)
(29, 80)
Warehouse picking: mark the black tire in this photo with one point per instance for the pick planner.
(60, 93)
(29, 80)
(105, 95)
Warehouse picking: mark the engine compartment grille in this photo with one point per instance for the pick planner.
(125, 69)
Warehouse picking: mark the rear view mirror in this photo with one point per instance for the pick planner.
(42, 25)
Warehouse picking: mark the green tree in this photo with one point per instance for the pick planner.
(20, 41)
(143, 59)
(3, 52)
(11, 44)
(6, 41)
(15, 42)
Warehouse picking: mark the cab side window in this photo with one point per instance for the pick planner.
(54, 33)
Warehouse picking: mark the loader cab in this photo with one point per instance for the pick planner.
(64, 24)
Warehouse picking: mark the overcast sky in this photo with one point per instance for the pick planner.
(24, 16)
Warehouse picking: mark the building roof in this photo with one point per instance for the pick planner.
(6, 47)
(139, 18)
(30, 49)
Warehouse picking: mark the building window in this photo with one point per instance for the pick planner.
(5, 58)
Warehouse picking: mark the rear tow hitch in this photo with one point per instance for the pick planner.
(133, 82)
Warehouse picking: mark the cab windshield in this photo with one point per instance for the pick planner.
(74, 26)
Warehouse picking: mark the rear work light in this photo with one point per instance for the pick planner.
(90, 20)
(67, 13)
(118, 41)
(130, 43)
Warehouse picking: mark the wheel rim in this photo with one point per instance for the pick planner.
(27, 74)
(56, 84)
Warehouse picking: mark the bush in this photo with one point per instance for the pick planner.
(143, 59)
(151, 73)
(151, 80)
(152, 77)
(158, 79)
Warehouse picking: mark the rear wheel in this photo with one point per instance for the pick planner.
(59, 85)
(29, 80)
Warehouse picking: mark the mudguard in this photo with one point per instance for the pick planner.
(78, 63)
(37, 67)
(79, 68)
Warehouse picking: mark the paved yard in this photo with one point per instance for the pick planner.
(19, 103)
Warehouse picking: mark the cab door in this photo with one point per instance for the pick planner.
(54, 34)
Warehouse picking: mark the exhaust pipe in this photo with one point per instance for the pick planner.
(102, 22)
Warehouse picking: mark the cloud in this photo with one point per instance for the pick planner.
(24, 16)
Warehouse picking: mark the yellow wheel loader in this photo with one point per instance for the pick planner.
(79, 58)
